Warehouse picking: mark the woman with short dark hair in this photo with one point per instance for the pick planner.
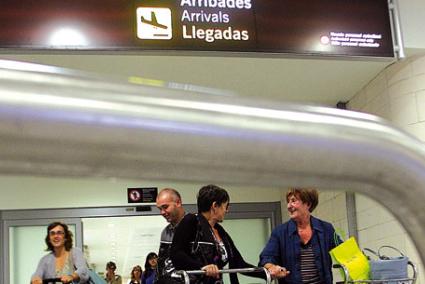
(63, 261)
(200, 242)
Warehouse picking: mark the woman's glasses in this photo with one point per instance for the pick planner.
(59, 233)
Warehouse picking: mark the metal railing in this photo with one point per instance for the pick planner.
(56, 123)
(409, 280)
(185, 274)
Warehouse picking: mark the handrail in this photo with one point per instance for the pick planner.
(69, 125)
(52, 280)
(186, 274)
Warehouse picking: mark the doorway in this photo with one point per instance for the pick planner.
(123, 240)
(138, 231)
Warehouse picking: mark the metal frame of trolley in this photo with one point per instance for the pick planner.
(185, 274)
(410, 280)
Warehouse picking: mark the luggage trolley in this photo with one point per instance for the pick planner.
(410, 280)
(185, 274)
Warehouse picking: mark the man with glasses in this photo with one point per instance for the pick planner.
(169, 203)
(111, 277)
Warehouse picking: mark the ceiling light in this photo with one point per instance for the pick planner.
(67, 37)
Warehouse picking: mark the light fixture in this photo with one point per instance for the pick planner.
(67, 37)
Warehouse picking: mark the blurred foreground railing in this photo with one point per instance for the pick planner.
(56, 123)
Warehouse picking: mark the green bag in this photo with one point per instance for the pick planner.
(351, 257)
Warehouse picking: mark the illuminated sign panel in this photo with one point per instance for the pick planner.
(301, 27)
(154, 23)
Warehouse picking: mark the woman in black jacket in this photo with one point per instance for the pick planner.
(200, 243)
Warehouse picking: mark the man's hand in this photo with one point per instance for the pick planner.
(211, 270)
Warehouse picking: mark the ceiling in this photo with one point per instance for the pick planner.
(306, 81)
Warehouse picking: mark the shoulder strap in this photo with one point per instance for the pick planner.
(195, 245)
(381, 256)
(370, 251)
(72, 259)
(196, 249)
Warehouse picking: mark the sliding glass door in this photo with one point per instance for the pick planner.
(26, 245)
(123, 234)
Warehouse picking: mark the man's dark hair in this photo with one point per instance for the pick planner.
(111, 265)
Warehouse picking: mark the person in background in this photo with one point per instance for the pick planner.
(298, 250)
(63, 261)
(200, 242)
(111, 277)
(150, 268)
(136, 275)
(169, 203)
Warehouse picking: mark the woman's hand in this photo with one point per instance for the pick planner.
(276, 271)
(67, 278)
(211, 270)
(36, 280)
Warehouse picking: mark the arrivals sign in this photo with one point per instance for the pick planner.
(299, 27)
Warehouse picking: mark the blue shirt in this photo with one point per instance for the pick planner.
(283, 248)
(149, 278)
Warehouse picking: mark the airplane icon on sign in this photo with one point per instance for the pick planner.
(153, 21)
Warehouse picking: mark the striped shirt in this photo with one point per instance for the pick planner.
(309, 271)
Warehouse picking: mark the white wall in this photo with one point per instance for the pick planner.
(20, 192)
(332, 208)
(397, 94)
(412, 15)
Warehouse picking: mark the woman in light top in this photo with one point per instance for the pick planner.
(63, 261)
